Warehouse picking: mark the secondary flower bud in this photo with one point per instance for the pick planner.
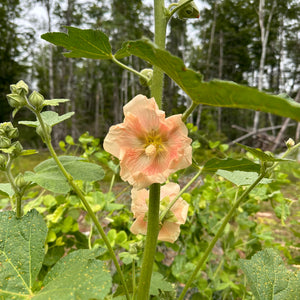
(188, 11)
(17, 149)
(8, 130)
(20, 88)
(15, 100)
(290, 143)
(4, 142)
(149, 74)
(36, 99)
(20, 181)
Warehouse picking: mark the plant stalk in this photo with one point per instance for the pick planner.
(219, 233)
(151, 240)
(80, 194)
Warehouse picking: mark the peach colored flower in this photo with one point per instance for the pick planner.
(149, 146)
(170, 229)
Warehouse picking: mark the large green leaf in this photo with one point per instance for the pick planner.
(79, 275)
(230, 164)
(268, 277)
(21, 253)
(7, 189)
(50, 117)
(48, 175)
(81, 42)
(216, 92)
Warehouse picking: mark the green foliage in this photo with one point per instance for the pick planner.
(82, 43)
(21, 253)
(216, 92)
(48, 175)
(268, 277)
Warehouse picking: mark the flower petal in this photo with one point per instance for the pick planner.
(139, 205)
(169, 232)
(139, 226)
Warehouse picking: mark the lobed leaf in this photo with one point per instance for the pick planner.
(268, 277)
(49, 117)
(86, 43)
(7, 189)
(48, 175)
(215, 92)
(55, 102)
(78, 275)
(21, 253)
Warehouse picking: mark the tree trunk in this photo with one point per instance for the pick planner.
(221, 40)
(264, 36)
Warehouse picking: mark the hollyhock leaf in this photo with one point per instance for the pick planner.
(21, 253)
(268, 277)
(7, 189)
(86, 43)
(92, 280)
(242, 178)
(215, 92)
(158, 284)
(49, 117)
(48, 175)
(230, 164)
(55, 102)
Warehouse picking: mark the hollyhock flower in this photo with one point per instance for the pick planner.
(170, 229)
(149, 146)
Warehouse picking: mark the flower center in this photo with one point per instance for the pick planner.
(153, 143)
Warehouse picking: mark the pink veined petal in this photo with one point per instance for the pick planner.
(180, 210)
(147, 110)
(138, 205)
(170, 189)
(169, 232)
(139, 226)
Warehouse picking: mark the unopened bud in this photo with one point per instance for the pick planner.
(15, 100)
(5, 142)
(147, 73)
(17, 149)
(8, 130)
(36, 99)
(290, 143)
(20, 181)
(3, 161)
(42, 134)
(188, 11)
(20, 88)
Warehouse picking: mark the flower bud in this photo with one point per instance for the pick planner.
(42, 134)
(3, 161)
(21, 88)
(36, 99)
(4, 142)
(290, 143)
(17, 150)
(8, 130)
(188, 11)
(20, 181)
(15, 100)
(149, 74)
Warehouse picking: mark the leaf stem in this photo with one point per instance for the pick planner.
(219, 233)
(11, 180)
(188, 111)
(151, 240)
(163, 213)
(129, 68)
(77, 190)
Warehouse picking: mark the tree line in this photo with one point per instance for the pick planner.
(255, 43)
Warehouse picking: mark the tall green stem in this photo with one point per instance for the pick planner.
(219, 233)
(80, 194)
(151, 240)
(160, 24)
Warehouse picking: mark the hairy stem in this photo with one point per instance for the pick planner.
(219, 233)
(151, 240)
(80, 194)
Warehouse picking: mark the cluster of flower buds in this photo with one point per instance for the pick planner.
(18, 96)
(7, 133)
